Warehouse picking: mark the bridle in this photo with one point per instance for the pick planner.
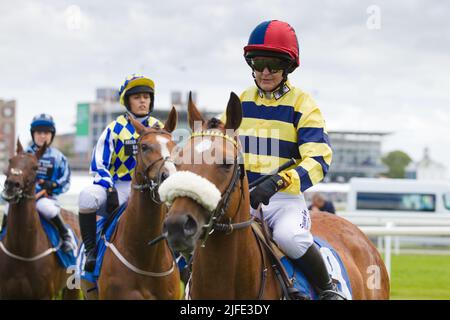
(238, 174)
(150, 184)
(21, 193)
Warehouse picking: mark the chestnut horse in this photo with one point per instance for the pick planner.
(132, 269)
(30, 269)
(209, 205)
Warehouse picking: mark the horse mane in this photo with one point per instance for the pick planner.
(156, 126)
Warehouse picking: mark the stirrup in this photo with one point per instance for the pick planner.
(294, 294)
(89, 264)
(331, 295)
(67, 243)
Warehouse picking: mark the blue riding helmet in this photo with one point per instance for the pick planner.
(43, 122)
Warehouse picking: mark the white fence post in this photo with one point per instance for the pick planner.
(379, 243)
(387, 248)
(397, 245)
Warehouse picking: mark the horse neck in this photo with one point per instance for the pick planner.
(229, 256)
(24, 235)
(142, 222)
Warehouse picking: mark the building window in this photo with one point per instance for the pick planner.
(7, 128)
(447, 201)
(396, 201)
(8, 112)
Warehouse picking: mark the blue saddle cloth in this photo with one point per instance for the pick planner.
(335, 267)
(101, 247)
(66, 259)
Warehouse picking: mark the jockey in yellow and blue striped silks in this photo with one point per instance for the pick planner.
(281, 122)
(113, 160)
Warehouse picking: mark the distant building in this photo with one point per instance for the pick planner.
(7, 131)
(355, 154)
(426, 169)
(65, 143)
(93, 117)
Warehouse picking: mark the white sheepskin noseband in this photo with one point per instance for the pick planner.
(191, 185)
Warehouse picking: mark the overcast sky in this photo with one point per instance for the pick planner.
(370, 65)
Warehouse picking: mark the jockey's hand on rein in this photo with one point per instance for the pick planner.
(48, 186)
(264, 191)
(112, 199)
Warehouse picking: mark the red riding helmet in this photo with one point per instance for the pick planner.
(273, 39)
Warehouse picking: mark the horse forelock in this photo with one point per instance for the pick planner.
(215, 123)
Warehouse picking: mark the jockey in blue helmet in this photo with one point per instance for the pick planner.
(53, 176)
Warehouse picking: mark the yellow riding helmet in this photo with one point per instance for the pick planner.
(134, 81)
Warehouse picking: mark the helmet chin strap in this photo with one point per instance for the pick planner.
(137, 117)
(48, 145)
(279, 87)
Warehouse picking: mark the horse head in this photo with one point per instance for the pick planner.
(154, 148)
(21, 174)
(203, 192)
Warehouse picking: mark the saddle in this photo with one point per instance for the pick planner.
(264, 237)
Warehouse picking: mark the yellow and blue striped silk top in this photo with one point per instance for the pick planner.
(283, 126)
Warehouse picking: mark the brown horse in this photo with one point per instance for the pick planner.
(131, 268)
(29, 269)
(230, 264)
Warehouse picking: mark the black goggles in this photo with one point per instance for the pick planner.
(273, 65)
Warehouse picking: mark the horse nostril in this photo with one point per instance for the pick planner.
(190, 226)
(10, 184)
(164, 176)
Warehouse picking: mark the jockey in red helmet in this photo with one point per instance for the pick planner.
(278, 114)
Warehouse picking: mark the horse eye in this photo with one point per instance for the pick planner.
(146, 148)
(35, 168)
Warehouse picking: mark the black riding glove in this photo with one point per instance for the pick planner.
(264, 191)
(112, 200)
(48, 186)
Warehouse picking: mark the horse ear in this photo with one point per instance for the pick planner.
(19, 148)
(40, 152)
(194, 116)
(234, 112)
(172, 120)
(139, 127)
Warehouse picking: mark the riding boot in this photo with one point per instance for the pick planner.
(67, 244)
(312, 264)
(4, 221)
(88, 228)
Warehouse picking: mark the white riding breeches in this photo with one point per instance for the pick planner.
(47, 207)
(93, 197)
(288, 216)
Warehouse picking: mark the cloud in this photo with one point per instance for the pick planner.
(392, 79)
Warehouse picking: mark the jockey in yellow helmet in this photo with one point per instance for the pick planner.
(113, 160)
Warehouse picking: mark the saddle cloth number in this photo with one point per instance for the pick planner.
(131, 147)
